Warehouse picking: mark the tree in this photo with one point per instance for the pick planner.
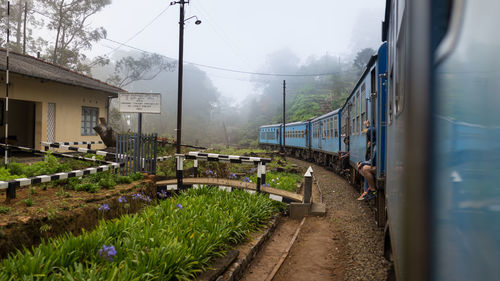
(147, 67)
(18, 10)
(363, 57)
(69, 20)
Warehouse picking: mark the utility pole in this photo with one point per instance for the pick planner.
(284, 94)
(179, 94)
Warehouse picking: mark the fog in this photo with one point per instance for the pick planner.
(242, 34)
(235, 61)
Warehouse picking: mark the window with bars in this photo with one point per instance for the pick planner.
(89, 120)
(335, 127)
(363, 104)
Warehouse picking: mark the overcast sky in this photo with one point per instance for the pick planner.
(240, 34)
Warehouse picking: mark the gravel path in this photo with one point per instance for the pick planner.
(353, 241)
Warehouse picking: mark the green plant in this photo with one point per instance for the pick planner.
(62, 193)
(174, 240)
(4, 210)
(45, 228)
(123, 179)
(28, 202)
(6, 175)
(285, 181)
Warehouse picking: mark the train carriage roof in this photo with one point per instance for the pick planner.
(326, 115)
(270, 126)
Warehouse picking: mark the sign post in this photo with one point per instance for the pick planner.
(139, 103)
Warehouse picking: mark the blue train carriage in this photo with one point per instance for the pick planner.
(326, 138)
(296, 138)
(443, 191)
(270, 135)
(362, 105)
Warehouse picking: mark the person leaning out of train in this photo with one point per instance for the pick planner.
(368, 168)
(371, 139)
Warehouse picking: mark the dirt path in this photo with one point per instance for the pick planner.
(346, 244)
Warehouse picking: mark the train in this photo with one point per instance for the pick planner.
(432, 91)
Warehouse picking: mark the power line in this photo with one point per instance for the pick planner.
(235, 70)
(140, 31)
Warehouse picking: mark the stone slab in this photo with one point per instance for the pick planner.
(299, 210)
(318, 209)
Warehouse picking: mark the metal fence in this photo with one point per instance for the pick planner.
(137, 152)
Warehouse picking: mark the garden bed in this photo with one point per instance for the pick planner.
(280, 173)
(174, 240)
(43, 211)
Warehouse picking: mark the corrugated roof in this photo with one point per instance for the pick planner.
(33, 67)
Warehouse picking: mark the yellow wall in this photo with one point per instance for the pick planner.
(69, 101)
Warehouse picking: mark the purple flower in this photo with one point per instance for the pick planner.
(146, 199)
(122, 199)
(246, 179)
(209, 172)
(137, 196)
(266, 184)
(162, 194)
(232, 176)
(179, 206)
(104, 207)
(107, 252)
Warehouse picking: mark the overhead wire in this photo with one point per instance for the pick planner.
(121, 44)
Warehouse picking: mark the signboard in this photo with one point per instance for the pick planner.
(140, 103)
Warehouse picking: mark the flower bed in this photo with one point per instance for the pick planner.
(173, 240)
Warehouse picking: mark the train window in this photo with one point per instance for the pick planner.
(327, 129)
(331, 128)
(363, 104)
(335, 126)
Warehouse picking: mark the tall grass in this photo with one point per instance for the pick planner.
(173, 240)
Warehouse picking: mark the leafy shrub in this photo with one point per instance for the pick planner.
(89, 187)
(136, 176)
(5, 175)
(4, 210)
(285, 181)
(28, 202)
(174, 240)
(107, 181)
(123, 179)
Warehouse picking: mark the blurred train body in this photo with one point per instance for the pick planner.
(432, 91)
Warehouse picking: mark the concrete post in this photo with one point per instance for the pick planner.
(259, 173)
(11, 192)
(195, 168)
(307, 187)
(263, 173)
(180, 168)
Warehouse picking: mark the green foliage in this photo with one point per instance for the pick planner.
(174, 240)
(28, 202)
(136, 176)
(107, 180)
(123, 179)
(5, 175)
(49, 165)
(305, 107)
(285, 181)
(4, 210)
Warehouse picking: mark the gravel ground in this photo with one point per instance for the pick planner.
(357, 240)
